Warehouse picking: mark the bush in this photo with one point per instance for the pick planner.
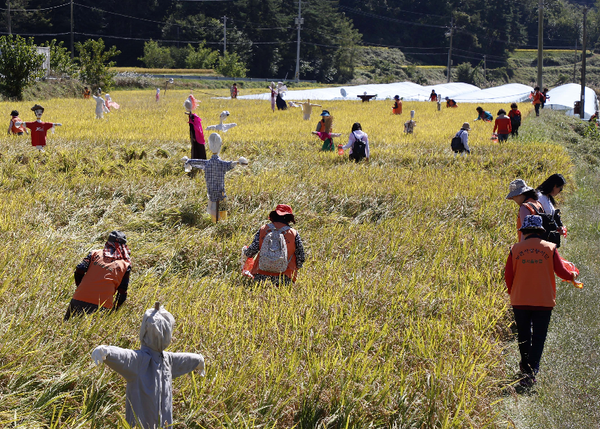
(95, 63)
(465, 73)
(230, 65)
(156, 56)
(202, 58)
(20, 65)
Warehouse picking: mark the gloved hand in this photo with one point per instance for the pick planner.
(186, 166)
(243, 161)
(99, 354)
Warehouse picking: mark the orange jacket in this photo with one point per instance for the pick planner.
(529, 273)
(397, 108)
(537, 98)
(101, 280)
(290, 240)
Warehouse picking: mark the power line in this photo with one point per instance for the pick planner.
(385, 18)
(121, 15)
(358, 11)
(36, 10)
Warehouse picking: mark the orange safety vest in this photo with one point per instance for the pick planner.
(14, 129)
(397, 110)
(101, 280)
(290, 241)
(533, 267)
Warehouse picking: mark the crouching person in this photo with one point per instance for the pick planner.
(278, 249)
(149, 371)
(101, 274)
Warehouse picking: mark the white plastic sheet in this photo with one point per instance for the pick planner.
(564, 97)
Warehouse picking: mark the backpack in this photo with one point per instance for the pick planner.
(515, 121)
(273, 256)
(551, 233)
(359, 149)
(456, 144)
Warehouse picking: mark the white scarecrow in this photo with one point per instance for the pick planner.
(38, 128)
(150, 370)
(409, 125)
(214, 174)
(307, 109)
(221, 127)
(100, 105)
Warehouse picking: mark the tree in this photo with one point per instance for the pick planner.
(201, 58)
(20, 65)
(156, 56)
(60, 59)
(230, 65)
(95, 63)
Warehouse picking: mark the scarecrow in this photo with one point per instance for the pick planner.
(38, 128)
(279, 101)
(307, 109)
(110, 104)
(150, 370)
(196, 132)
(410, 125)
(214, 174)
(100, 105)
(324, 128)
(221, 127)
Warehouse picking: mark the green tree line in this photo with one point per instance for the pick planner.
(261, 34)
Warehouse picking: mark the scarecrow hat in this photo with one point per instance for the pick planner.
(517, 187)
(37, 107)
(532, 223)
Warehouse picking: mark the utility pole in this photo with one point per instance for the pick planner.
(72, 34)
(224, 35)
(540, 82)
(575, 62)
(583, 52)
(450, 50)
(8, 14)
(299, 21)
(484, 68)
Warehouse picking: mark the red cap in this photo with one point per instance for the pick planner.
(283, 209)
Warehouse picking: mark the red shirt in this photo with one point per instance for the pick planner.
(502, 124)
(38, 132)
(512, 113)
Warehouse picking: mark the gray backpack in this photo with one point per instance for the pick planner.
(273, 252)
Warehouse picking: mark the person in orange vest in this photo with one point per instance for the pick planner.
(86, 93)
(279, 226)
(502, 125)
(450, 102)
(101, 274)
(397, 107)
(12, 125)
(529, 276)
(536, 99)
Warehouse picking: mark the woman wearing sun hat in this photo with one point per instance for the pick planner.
(280, 219)
(529, 276)
(526, 198)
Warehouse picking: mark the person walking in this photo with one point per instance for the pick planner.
(529, 277)
(358, 143)
(549, 189)
(515, 119)
(397, 107)
(101, 274)
(267, 245)
(12, 125)
(502, 125)
(536, 99)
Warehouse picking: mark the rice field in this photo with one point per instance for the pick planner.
(398, 318)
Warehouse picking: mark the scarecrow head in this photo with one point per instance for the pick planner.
(38, 110)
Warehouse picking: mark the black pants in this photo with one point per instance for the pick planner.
(537, 109)
(532, 329)
(515, 130)
(79, 308)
